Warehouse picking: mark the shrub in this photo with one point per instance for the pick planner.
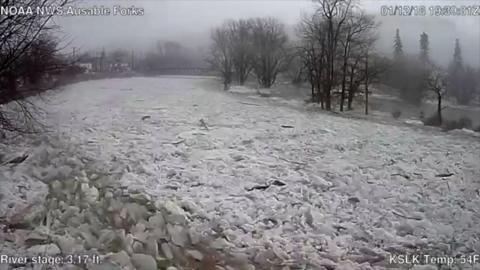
(396, 114)
(431, 121)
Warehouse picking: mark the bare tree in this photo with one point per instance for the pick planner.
(18, 35)
(43, 66)
(337, 44)
(241, 42)
(296, 68)
(269, 55)
(222, 55)
(354, 80)
(312, 50)
(335, 14)
(374, 68)
(308, 55)
(356, 32)
(436, 84)
(367, 78)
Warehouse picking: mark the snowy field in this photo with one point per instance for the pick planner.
(304, 185)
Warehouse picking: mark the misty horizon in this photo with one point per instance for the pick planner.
(190, 23)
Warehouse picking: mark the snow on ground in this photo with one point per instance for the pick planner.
(355, 190)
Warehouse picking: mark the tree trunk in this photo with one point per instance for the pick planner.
(366, 83)
(366, 98)
(328, 97)
(240, 75)
(330, 65)
(328, 88)
(319, 86)
(351, 89)
(344, 76)
(312, 85)
(342, 98)
(351, 94)
(227, 80)
(439, 109)
(320, 93)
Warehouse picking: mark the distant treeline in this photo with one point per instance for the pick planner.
(334, 52)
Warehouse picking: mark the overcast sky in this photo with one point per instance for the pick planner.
(190, 21)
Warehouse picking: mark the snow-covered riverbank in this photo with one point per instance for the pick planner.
(275, 182)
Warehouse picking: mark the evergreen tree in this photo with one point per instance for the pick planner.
(457, 55)
(424, 69)
(459, 79)
(397, 46)
(397, 72)
(424, 49)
